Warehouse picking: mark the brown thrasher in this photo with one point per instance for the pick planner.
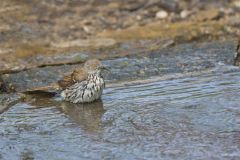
(83, 85)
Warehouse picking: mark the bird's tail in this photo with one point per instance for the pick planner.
(50, 89)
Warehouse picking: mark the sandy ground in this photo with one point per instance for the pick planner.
(32, 31)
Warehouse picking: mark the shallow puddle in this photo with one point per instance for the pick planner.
(170, 119)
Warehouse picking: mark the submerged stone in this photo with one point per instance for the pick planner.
(8, 100)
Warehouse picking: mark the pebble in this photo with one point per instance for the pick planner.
(237, 4)
(139, 17)
(185, 14)
(161, 14)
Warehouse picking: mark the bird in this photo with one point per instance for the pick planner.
(79, 74)
(84, 85)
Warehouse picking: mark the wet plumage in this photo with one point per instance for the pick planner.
(78, 75)
(83, 85)
(85, 91)
(79, 89)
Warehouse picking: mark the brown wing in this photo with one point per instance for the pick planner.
(78, 75)
(66, 81)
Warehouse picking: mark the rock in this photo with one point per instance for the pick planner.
(138, 17)
(8, 100)
(5, 50)
(161, 14)
(169, 5)
(169, 43)
(4, 28)
(96, 42)
(237, 59)
(132, 6)
(88, 29)
(234, 21)
(185, 14)
(237, 4)
(2, 86)
(227, 11)
(9, 9)
(211, 14)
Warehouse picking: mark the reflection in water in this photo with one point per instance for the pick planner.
(27, 155)
(88, 115)
(40, 101)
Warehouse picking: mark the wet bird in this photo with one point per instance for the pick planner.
(80, 74)
(84, 85)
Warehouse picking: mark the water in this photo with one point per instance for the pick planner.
(186, 118)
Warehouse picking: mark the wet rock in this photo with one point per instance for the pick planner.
(161, 15)
(237, 59)
(8, 100)
(157, 62)
(2, 85)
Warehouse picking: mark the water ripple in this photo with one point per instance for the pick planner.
(185, 118)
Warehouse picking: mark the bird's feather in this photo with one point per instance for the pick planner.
(77, 75)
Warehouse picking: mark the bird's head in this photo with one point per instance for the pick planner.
(101, 69)
(94, 65)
